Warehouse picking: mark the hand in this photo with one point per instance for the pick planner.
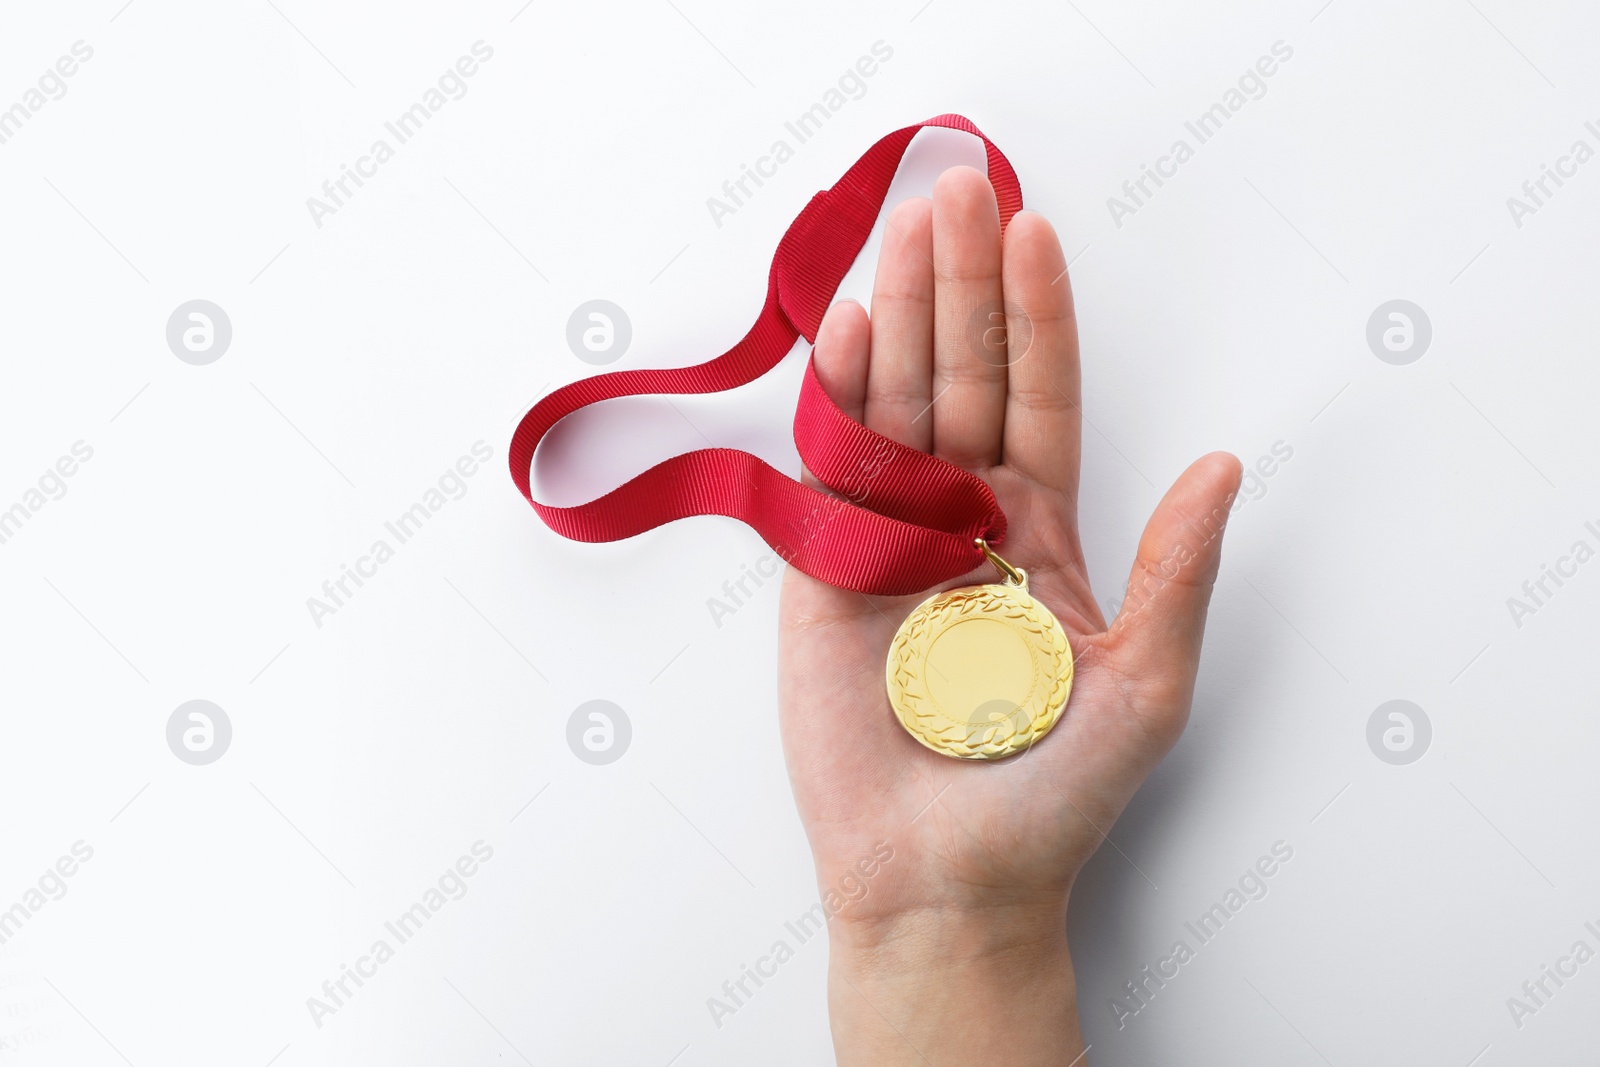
(959, 939)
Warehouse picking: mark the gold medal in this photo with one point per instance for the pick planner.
(981, 672)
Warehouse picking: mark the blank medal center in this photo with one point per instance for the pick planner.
(976, 663)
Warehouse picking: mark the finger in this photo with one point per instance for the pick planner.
(969, 373)
(900, 381)
(1043, 422)
(841, 355)
(1155, 638)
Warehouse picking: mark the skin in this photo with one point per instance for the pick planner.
(959, 941)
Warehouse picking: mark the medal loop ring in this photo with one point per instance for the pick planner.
(1013, 575)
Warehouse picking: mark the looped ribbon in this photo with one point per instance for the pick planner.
(899, 521)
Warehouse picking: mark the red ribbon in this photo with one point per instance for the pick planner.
(901, 520)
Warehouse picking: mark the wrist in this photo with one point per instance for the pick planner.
(906, 989)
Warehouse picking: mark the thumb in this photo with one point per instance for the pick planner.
(1156, 634)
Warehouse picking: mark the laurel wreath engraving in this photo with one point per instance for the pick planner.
(1003, 735)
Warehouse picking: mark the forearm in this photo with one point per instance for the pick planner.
(951, 991)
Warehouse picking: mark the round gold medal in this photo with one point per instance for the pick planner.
(981, 672)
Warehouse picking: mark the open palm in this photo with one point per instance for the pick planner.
(933, 369)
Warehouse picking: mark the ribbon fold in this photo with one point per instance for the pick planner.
(898, 521)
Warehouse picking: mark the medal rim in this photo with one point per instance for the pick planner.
(1047, 636)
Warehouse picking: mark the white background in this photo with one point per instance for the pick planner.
(369, 354)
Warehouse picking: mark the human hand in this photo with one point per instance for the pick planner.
(959, 940)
